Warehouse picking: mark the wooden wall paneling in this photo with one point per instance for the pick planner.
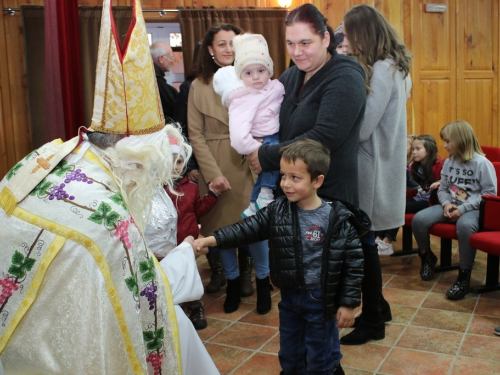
(434, 68)
(477, 78)
(7, 154)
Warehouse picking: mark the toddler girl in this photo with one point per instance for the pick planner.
(253, 102)
(468, 170)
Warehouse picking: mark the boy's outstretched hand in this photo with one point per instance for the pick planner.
(345, 317)
(201, 244)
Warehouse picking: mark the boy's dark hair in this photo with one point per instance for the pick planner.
(312, 153)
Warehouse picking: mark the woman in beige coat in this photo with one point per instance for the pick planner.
(220, 165)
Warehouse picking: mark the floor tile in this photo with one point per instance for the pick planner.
(227, 358)
(273, 346)
(439, 301)
(402, 314)
(483, 325)
(481, 347)
(270, 319)
(410, 283)
(244, 335)
(412, 362)
(441, 319)
(364, 357)
(214, 326)
(404, 297)
(431, 340)
(260, 363)
(216, 310)
(489, 307)
(475, 366)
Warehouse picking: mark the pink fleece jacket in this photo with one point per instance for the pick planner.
(254, 113)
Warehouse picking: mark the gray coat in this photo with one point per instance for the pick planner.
(382, 148)
(329, 109)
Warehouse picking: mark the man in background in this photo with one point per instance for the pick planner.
(163, 56)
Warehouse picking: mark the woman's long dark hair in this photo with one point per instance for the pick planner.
(309, 14)
(205, 66)
(372, 38)
(426, 163)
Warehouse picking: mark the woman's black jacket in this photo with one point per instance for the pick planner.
(342, 266)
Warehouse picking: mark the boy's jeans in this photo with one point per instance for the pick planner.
(308, 345)
(267, 179)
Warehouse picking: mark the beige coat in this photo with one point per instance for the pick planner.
(208, 126)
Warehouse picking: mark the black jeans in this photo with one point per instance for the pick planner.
(371, 287)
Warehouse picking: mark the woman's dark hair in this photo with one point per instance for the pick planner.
(309, 14)
(205, 66)
(192, 71)
(426, 163)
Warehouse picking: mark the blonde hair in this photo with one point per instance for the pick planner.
(463, 139)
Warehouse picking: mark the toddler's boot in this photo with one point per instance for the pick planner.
(217, 279)
(461, 287)
(429, 261)
(233, 298)
(197, 315)
(246, 264)
(264, 288)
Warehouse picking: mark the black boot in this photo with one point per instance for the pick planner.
(246, 263)
(217, 279)
(338, 370)
(197, 315)
(461, 287)
(385, 310)
(429, 261)
(233, 299)
(363, 333)
(264, 288)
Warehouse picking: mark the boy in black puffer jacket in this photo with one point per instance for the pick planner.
(315, 258)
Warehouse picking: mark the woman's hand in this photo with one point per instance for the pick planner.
(219, 185)
(253, 161)
(193, 175)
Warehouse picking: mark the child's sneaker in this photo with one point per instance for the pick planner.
(497, 331)
(249, 211)
(262, 202)
(385, 249)
(197, 315)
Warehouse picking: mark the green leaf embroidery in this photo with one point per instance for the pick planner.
(160, 333)
(21, 264)
(118, 199)
(27, 157)
(18, 258)
(132, 285)
(154, 345)
(111, 218)
(148, 335)
(13, 171)
(61, 168)
(104, 212)
(42, 189)
(147, 269)
(96, 217)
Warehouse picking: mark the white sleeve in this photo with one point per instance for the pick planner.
(182, 272)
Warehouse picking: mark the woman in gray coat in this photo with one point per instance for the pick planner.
(382, 151)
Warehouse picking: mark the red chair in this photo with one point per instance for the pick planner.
(488, 240)
(407, 239)
(491, 153)
(448, 232)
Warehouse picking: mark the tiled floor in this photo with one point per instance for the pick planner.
(428, 333)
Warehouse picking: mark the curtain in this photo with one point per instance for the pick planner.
(63, 73)
(266, 21)
(89, 22)
(33, 19)
(90, 25)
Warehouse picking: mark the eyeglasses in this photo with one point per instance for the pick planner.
(168, 57)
